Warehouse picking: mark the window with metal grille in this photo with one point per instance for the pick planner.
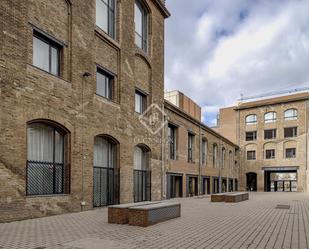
(251, 135)
(290, 153)
(105, 16)
(290, 114)
(141, 26)
(270, 154)
(270, 134)
(251, 155)
(290, 132)
(270, 117)
(172, 138)
(190, 147)
(46, 53)
(104, 84)
(141, 174)
(46, 170)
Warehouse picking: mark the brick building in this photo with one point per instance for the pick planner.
(273, 138)
(75, 77)
(198, 159)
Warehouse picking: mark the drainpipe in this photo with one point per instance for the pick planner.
(82, 202)
(200, 160)
(306, 137)
(163, 196)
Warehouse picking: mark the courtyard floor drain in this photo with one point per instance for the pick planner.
(283, 206)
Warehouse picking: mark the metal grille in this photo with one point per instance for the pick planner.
(105, 186)
(45, 178)
(156, 215)
(142, 185)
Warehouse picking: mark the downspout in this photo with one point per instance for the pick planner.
(163, 196)
(200, 160)
(306, 137)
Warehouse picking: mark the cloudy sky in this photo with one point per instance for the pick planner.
(218, 49)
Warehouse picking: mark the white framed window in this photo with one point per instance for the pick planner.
(290, 114)
(270, 117)
(251, 119)
(140, 102)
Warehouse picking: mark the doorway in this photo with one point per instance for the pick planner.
(174, 186)
(192, 186)
(205, 185)
(251, 181)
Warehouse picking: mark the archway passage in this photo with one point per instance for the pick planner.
(105, 172)
(251, 181)
(280, 180)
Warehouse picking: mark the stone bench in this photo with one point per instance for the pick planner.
(119, 214)
(230, 197)
(237, 197)
(218, 197)
(151, 214)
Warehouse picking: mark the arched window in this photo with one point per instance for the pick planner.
(105, 172)
(231, 160)
(214, 155)
(47, 171)
(142, 174)
(290, 114)
(270, 117)
(223, 158)
(141, 26)
(251, 119)
(105, 16)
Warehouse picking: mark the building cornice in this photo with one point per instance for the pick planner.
(162, 8)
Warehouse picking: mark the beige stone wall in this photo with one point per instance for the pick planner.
(28, 93)
(279, 144)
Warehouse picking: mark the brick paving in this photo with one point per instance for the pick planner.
(256, 223)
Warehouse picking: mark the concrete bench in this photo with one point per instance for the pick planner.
(218, 197)
(119, 214)
(151, 214)
(237, 197)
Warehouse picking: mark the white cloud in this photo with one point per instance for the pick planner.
(216, 50)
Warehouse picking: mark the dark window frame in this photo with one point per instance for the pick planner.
(295, 114)
(292, 152)
(111, 81)
(251, 122)
(254, 135)
(204, 151)
(111, 18)
(145, 26)
(270, 120)
(253, 155)
(272, 154)
(191, 138)
(143, 103)
(172, 141)
(273, 133)
(294, 134)
(51, 44)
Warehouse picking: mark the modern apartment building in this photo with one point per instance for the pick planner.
(75, 78)
(198, 159)
(273, 138)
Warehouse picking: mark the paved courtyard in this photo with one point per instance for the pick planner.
(256, 223)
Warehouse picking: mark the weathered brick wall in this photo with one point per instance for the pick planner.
(28, 93)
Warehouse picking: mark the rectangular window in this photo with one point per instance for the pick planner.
(251, 135)
(172, 133)
(105, 16)
(290, 153)
(104, 84)
(46, 54)
(141, 26)
(270, 154)
(204, 151)
(290, 132)
(270, 134)
(140, 102)
(190, 147)
(251, 155)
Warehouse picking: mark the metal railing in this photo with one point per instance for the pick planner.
(142, 185)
